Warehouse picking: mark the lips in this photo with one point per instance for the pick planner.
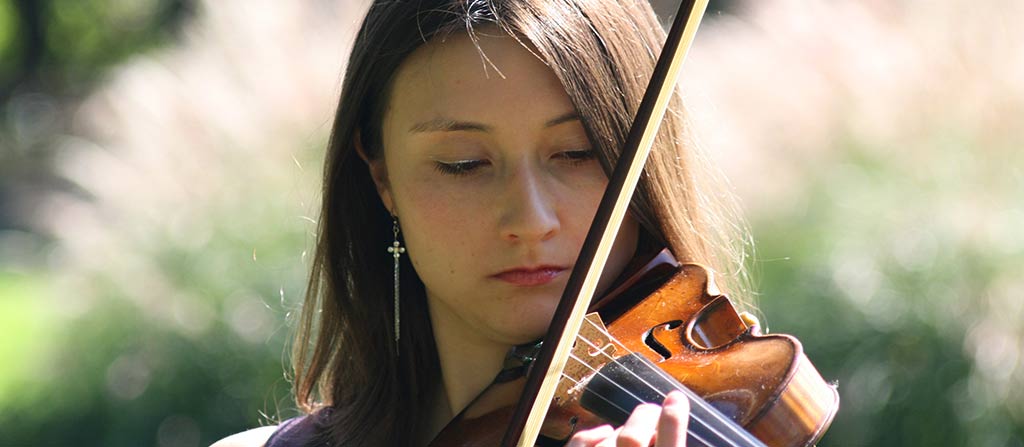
(530, 276)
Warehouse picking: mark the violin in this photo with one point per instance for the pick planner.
(666, 327)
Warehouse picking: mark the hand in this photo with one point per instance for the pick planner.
(663, 426)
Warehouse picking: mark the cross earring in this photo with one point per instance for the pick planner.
(396, 249)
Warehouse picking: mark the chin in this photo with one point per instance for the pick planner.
(532, 323)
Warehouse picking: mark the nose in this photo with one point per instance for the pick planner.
(529, 209)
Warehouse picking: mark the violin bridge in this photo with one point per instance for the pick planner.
(594, 348)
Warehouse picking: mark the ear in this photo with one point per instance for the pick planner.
(379, 173)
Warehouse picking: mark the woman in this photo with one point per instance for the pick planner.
(472, 143)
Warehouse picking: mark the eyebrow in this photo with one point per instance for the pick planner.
(450, 125)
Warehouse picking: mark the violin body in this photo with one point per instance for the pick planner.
(690, 332)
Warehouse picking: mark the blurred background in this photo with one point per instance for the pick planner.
(159, 164)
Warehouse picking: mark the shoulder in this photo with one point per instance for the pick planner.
(298, 431)
(256, 437)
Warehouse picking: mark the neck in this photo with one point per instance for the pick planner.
(469, 362)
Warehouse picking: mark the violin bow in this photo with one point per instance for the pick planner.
(546, 370)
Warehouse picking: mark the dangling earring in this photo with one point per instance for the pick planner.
(396, 249)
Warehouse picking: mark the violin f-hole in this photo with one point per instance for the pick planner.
(652, 342)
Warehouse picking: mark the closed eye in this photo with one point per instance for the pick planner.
(460, 167)
(577, 157)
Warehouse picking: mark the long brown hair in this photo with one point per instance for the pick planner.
(603, 52)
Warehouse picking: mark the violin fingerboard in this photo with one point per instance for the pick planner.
(628, 381)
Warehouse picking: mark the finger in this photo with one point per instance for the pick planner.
(591, 438)
(675, 416)
(639, 429)
(610, 440)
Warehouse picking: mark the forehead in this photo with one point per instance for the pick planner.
(489, 77)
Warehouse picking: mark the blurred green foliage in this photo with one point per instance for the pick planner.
(86, 36)
(170, 374)
(8, 32)
(52, 53)
(884, 301)
(23, 318)
(64, 45)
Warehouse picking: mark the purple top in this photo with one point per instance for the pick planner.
(302, 431)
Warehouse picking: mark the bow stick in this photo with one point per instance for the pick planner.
(547, 368)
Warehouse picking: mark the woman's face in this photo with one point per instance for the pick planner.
(494, 183)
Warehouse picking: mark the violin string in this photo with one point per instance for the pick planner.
(694, 399)
(610, 402)
(690, 397)
(689, 393)
(610, 358)
(735, 428)
(638, 398)
(658, 371)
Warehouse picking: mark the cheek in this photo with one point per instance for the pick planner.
(439, 230)
(582, 206)
(586, 201)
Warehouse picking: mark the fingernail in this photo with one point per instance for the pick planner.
(675, 398)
